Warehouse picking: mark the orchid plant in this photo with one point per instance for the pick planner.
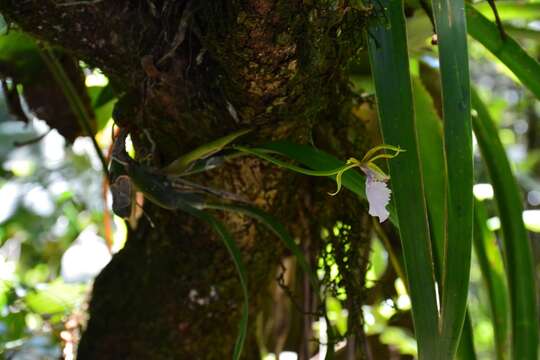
(377, 191)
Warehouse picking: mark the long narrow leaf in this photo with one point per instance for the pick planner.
(430, 140)
(277, 228)
(507, 50)
(231, 246)
(430, 143)
(450, 25)
(492, 268)
(522, 33)
(466, 345)
(519, 264)
(74, 101)
(390, 67)
(180, 165)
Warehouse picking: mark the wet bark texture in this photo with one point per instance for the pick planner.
(190, 72)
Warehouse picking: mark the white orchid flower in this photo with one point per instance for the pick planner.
(377, 191)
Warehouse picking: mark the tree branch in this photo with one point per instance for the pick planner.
(106, 34)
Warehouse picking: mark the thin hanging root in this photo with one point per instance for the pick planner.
(497, 18)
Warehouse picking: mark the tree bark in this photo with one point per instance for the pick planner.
(191, 72)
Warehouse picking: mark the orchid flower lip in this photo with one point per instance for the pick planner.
(378, 195)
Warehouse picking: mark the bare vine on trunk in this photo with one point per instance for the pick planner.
(190, 72)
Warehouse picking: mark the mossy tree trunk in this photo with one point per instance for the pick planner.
(190, 72)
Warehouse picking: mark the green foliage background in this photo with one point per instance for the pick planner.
(48, 198)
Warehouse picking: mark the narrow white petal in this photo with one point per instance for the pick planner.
(378, 195)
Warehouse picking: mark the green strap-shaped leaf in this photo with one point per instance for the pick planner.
(526, 69)
(466, 345)
(430, 142)
(517, 251)
(492, 268)
(522, 33)
(236, 256)
(278, 229)
(180, 165)
(74, 101)
(450, 24)
(390, 67)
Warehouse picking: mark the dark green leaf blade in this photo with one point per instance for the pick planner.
(277, 228)
(281, 232)
(236, 256)
(390, 67)
(518, 256)
(466, 345)
(492, 268)
(450, 24)
(429, 129)
(430, 142)
(508, 50)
